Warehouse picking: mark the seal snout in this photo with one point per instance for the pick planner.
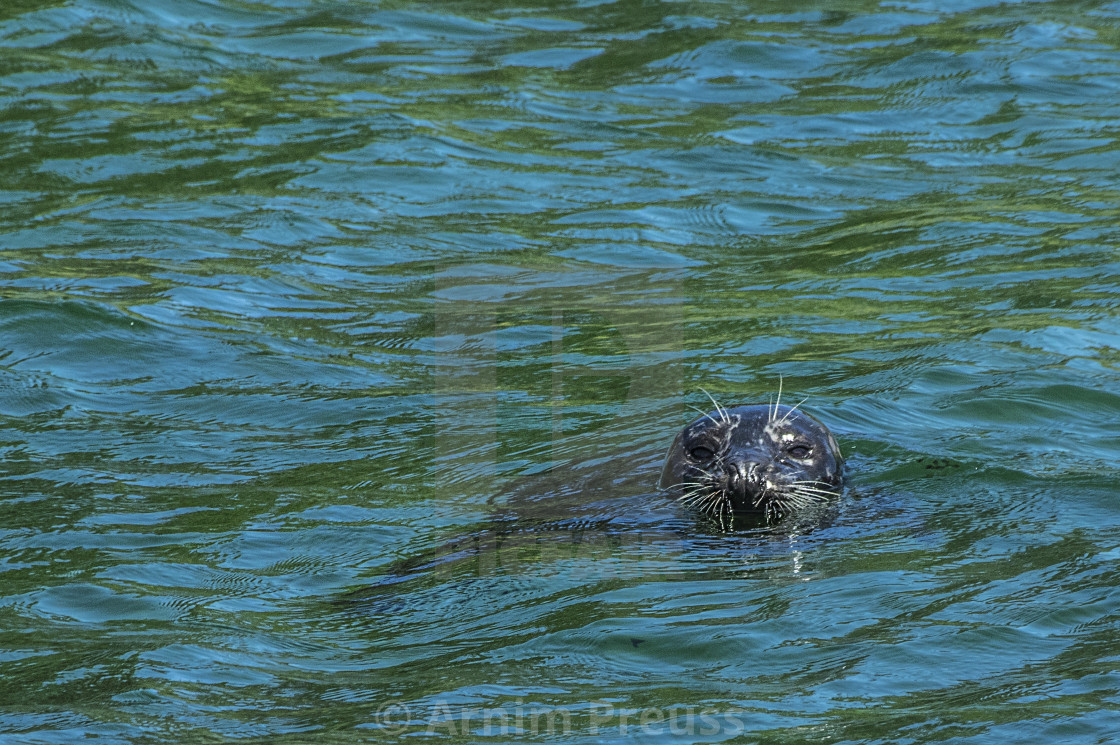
(745, 480)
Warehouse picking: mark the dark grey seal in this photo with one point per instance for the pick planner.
(759, 458)
(766, 461)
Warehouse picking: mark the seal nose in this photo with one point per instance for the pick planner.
(744, 477)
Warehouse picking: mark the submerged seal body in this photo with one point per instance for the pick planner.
(757, 458)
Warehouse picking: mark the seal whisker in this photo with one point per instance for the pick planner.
(810, 490)
(707, 505)
(804, 500)
(696, 501)
(696, 496)
(815, 495)
(719, 409)
(808, 498)
(819, 498)
(703, 414)
(715, 504)
(793, 408)
(778, 402)
(812, 498)
(722, 513)
(693, 494)
(694, 490)
(823, 486)
(814, 489)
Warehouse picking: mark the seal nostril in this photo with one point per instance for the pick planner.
(735, 478)
(744, 478)
(754, 478)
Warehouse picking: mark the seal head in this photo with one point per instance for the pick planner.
(755, 459)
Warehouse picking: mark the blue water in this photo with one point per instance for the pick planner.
(340, 344)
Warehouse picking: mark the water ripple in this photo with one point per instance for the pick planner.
(341, 342)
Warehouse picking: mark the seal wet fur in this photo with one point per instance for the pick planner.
(757, 458)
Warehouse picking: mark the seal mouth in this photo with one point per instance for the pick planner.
(724, 498)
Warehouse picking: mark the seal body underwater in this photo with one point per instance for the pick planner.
(759, 458)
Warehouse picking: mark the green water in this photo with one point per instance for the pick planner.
(340, 342)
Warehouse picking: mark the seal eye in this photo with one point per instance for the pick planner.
(701, 453)
(800, 451)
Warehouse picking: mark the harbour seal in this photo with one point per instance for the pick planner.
(758, 458)
(761, 460)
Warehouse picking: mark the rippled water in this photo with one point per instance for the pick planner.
(341, 342)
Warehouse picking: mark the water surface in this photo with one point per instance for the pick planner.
(298, 296)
